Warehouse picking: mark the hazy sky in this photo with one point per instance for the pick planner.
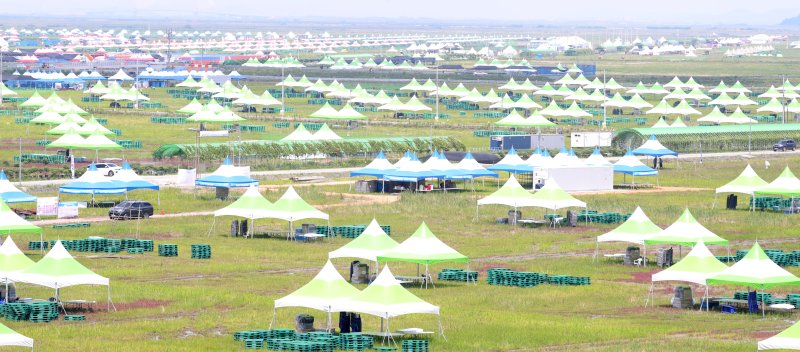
(764, 12)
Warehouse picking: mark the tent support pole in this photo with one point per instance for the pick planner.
(213, 222)
(274, 313)
(596, 251)
(441, 330)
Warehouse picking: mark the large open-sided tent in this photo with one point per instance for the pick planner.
(696, 268)
(511, 194)
(631, 165)
(93, 182)
(636, 229)
(652, 147)
(12, 260)
(10, 193)
(755, 270)
(323, 292)
(131, 181)
(377, 167)
(57, 270)
(386, 298)
(291, 207)
(227, 176)
(686, 231)
(371, 243)
(747, 182)
(250, 205)
(552, 197)
(10, 337)
(423, 248)
(786, 184)
(511, 162)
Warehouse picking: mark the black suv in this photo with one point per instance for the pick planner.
(784, 145)
(131, 209)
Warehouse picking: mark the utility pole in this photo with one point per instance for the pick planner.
(169, 46)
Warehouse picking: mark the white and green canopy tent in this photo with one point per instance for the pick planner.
(386, 298)
(290, 207)
(12, 260)
(755, 270)
(193, 107)
(57, 270)
(747, 183)
(325, 112)
(368, 245)
(696, 268)
(324, 291)
(35, 101)
(10, 222)
(786, 184)
(635, 230)
(512, 194)
(10, 337)
(552, 197)
(788, 339)
(686, 231)
(423, 248)
(251, 205)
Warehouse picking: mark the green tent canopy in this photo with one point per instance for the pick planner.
(10, 337)
(368, 245)
(786, 184)
(423, 247)
(12, 260)
(755, 270)
(696, 267)
(747, 182)
(321, 293)
(686, 231)
(251, 205)
(636, 229)
(511, 194)
(552, 197)
(10, 222)
(788, 339)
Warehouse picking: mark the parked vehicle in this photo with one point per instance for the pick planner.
(108, 169)
(784, 145)
(131, 209)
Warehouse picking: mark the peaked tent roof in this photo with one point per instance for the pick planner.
(788, 339)
(12, 259)
(299, 134)
(93, 182)
(10, 337)
(631, 165)
(10, 193)
(596, 159)
(696, 267)
(755, 270)
(511, 162)
(636, 229)
(58, 269)
(227, 176)
(323, 291)
(251, 204)
(468, 167)
(786, 184)
(131, 181)
(377, 167)
(291, 207)
(368, 245)
(11, 222)
(422, 247)
(551, 196)
(686, 231)
(386, 298)
(511, 194)
(747, 182)
(653, 147)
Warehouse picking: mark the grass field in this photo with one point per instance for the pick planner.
(180, 304)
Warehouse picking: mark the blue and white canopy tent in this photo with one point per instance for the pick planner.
(511, 163)
(652, 147)
(377, 167)
(11, 194)
(128, 178)
(631, 165)
(227, 176)
(412, 171)
(93, 182)
(468, 167)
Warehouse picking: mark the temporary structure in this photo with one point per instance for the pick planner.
(747, 182)
(511, 162)
(788, 339)
(386, 298)
(686, 231)
(323, 292)
(10, 337)
(596, 159)
(368, 245)
(469, 167)
(57, 270)
(786, 184)
(377, 167)
(552, 197)
(227, 176)
(755, 270)
(93, 182)
(12, 260)
(635, 230)
(631, 165)
(299, 134)
(291, 207)
(423, 248)
(652, 147)
(10, 193)
(696, 268)
(325, 133)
